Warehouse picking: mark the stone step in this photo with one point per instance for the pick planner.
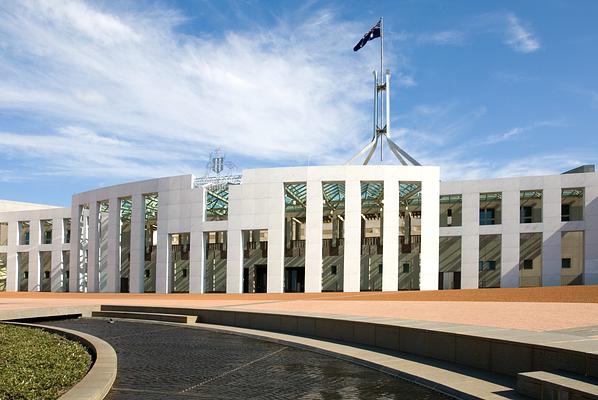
(183, 319)
(556, 385)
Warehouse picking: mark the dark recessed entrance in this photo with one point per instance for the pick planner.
(294, 279)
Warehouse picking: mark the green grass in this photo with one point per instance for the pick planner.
(35, 364)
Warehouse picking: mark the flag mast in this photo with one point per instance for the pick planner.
(381, 106)
(381, 72)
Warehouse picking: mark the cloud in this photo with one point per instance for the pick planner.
(519, 130)
(501, 137)
(128, 90)
(518, 37)
(448, 37)
(439, 38)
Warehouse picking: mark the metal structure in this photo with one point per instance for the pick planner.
(382, 116)
(219, 175)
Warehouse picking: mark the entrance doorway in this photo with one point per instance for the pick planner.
(260, 278)
(254, 279)
(294, 279)
(449, 280)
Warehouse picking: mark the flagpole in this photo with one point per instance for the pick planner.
(381, 75)
(381, 46)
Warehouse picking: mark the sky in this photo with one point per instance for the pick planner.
(99, 93)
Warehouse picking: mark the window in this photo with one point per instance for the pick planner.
(66, 224)
(487, 216)
(380, 268)
(148, 273)
(47, 274)
(572, 204)
(406, 268)
(46, 231)
(489, 265)
(184, 272)
(23, 233)
(3, 233)
(565, 263)
(450, 210)
(490, 208)
(526, 215)
(333, 270)
(565, 212)
(528, 264)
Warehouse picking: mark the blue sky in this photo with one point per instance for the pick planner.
(99, 93)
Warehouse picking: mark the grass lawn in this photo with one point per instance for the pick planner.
(35, 364)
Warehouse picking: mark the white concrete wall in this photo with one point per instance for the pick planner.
(34, 216)
(258, 204)
(510, 228)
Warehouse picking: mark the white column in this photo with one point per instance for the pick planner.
(352, 264)
(430, 232)
(390, 234)
(92, 252)
(136, 274)
(590, 217)
(551, 223)
(34, 265)
(56, 273)
(75, 248)
(275, 269)
(313, 237)
(470, 241)
(12, 270)
(113, 256)
(234, 262)
(196, 262)
(509, 257)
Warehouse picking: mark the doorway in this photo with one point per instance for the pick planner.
(294, 279)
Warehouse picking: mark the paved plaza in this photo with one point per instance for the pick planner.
(536, 309)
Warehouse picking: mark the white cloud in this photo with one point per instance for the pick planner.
(520, 38)
(501, 137)
(128, 90)
(448, 37)
(519, 130)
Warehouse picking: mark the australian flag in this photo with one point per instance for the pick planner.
(371, 34)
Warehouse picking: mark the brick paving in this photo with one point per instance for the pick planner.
(158, 361)
(536, 309)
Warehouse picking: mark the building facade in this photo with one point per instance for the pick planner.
(308, 229)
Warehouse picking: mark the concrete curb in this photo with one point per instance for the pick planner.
(98, 381)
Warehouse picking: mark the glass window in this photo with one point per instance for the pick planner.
(46, 231)
(24, 232)
(490, 208)
(3, 233)
(333, 235)
(565, 263)
(572, 204)
(487, 216)
(530, 206)
(450, 210)
(66, 225)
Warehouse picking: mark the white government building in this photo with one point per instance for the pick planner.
(331, 228)
(344, 228)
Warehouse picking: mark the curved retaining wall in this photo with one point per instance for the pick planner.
(503, 351)
(98, 381)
